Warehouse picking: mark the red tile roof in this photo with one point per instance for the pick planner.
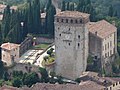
(72, 14)
(9, 46)
(102, 28)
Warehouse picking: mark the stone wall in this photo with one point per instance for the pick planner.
(23, 67)
(25, 45)
(43, 40)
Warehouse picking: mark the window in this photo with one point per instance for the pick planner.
(66, 20)
(71, 21)
(110, 52)
(76, 21)
(69, 29)
(110, 88)
(69, 44)
(58, 28)
(80, 20)
(105, 46)
(113, 85)
(78, 44)
(110, 43)
(78, 36)
(57, 20)
(105, 55)
(62, 20)
(59, 34)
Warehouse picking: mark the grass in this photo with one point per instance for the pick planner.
(41, 46)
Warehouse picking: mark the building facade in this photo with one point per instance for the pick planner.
(10, 53)
(102, 42)
(71, 43)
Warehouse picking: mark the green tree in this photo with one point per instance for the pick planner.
(111, 11)
(2, 69)
(68, 6)
(30, 79)
(6, 22)
(50, 20)
(16, 82)
(36, 16)
(44, 75)
(63, 6)
(5, 76)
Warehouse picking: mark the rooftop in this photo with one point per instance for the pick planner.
(102, 28)
(9, 46)
(72, 14)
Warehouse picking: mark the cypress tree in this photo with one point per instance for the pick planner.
(63, 6)
(6, 22)
(50, 20)
(30, 19)
(111, 11)
(49, 3)
(36, 16)
(68, 6)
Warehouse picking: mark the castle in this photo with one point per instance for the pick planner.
(76, 38)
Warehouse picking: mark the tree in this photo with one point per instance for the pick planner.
(44, 75)
(36, 16)
(50, 52)
(63, 6)
(6, 22)
(50, 20)
(30, 79)
(16, 82)
(49, 3)
(111, 11)
(2, 69)
(5, 76)
(68, 6)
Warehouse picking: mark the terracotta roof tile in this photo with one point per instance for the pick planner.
(103, 28)
(9, 46)
(72, 14)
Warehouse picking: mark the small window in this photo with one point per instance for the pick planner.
(80, 20)
(66, 20)
(113, 85)
(71, 21)
(57, 20)
(58, 28)
(69, 44)
(78, 36)
(69, 29)
(76, 21)
(78, 44)
(62, 20)
(59, 34)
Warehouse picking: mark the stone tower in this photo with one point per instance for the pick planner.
(71, 43)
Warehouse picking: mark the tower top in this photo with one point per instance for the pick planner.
(72, 17)
(72, 14)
